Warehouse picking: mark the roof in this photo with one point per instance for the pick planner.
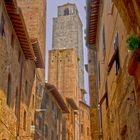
(54, 92)
(82, 102)
(19, 26)
(92, 21)
(39, 60)
(72, 103)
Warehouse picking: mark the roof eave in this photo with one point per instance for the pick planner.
(92, 21)
(17, 20)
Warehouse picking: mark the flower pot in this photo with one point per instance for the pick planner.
(132, 66)
(133, 62)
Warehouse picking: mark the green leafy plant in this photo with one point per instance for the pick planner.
(133, 42)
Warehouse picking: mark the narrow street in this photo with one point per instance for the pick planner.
(69, 70)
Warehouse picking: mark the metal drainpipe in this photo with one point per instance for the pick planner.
(19, 102)
(99, 113)
(74, 126)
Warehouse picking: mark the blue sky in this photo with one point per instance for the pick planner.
(52, 12)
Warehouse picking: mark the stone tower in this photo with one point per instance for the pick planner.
(67, 33)
(63, 72)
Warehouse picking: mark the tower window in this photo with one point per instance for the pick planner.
(66, 12)
(9, 90)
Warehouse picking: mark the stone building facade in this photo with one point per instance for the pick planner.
(20, 56)
(116, 93)
(84, 121)
(84, 118)
(68, 33)
(49, 116)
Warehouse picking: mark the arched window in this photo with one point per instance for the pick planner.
(9, 90)
(66, 12)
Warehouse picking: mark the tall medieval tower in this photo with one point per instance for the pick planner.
(66, 64)
(67, 33)
(63, 72)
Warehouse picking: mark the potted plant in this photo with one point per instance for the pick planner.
(133, 42)
(134, 47)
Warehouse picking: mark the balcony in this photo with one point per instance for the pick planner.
(19, 26)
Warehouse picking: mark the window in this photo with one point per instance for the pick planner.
(12, 40)
(9, 90)
(2, 33)
(103, 43)
(115, 57)
(99, 77)
(105, 97)
(33, 101)
(66, 12)
(106, 89)
(39, 89)
(52, 135)
(82, 129)
(47, 97)
(40, 123)
(52, 106)
(24, 121)
(19, 57)
(46, 130)
(16, 103)
(87, 131)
